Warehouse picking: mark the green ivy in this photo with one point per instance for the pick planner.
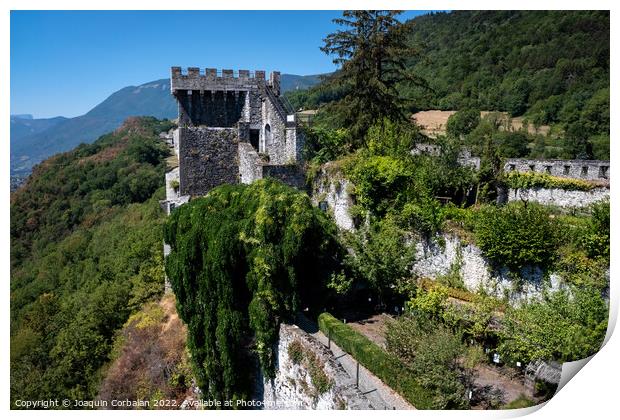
(518, 180)
(242, 259)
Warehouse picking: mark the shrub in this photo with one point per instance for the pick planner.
(516, 235)
(433, 353)
(381, 255)
(379, 181)
(596, 239)
(463, 122)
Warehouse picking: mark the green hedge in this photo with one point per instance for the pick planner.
(536, 179)
(386, 367)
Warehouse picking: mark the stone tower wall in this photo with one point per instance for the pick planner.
(208, 158)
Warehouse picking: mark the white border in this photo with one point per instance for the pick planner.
(591, 394)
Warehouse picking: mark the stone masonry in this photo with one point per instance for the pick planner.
(233, 127)
(590, 170)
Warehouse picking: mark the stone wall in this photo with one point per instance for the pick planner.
(292, 175)
(558, 197)
(333, 189)
(214, 109)
(250, 164)
(292, 388)
(438, 257)
(208, 157)
(592, 170)
(212, 80)
(274, 138)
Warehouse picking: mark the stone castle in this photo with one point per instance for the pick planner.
(234, 127)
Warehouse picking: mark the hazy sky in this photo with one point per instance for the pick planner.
(66, 62)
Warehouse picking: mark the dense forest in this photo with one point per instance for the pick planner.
(551, 67)
(86, 234)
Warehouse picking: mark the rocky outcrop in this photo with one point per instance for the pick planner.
(331, 188)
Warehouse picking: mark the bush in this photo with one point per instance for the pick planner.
(380, 182)
(463, 122)
(380, 255)
(386, 367)
(434, 354)
(596, 239)
(517, 234)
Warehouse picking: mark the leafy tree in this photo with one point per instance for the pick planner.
(380, 255)
(564, 327)
(516, 234)
(372, 54)
(242, 259)
(323, 144)
(512, 144)
(463, 122)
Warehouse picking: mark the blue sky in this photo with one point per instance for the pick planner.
(66, 62)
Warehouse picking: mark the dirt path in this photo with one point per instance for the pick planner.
(373, 328)
(492, 378)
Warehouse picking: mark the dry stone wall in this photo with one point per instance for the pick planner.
(293, 388)
(208, 157)
(558, 197)
(439, 256)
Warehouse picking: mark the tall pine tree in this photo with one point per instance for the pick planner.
(372, 54)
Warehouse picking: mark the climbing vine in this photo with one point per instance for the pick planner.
(242, 259)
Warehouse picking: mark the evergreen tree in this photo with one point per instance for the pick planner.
(372, 54)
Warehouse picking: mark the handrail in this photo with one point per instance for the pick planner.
(287, 105)
(277, 104)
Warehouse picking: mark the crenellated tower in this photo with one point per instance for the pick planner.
(233, 127)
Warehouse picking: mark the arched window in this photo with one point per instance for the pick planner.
(267, 135)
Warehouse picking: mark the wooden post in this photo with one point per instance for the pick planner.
(357, 376)
(329, 338)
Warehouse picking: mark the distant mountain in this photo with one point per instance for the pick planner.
(293, 82)
(24, 125)
(33, 140)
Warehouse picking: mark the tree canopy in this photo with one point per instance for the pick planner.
(242, 259)
(372, 54)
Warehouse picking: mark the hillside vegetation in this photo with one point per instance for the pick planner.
(550, 67)
(86, 234)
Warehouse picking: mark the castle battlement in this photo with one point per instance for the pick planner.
(221, 80)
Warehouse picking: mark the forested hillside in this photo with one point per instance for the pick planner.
(85, 253)
(551, 67)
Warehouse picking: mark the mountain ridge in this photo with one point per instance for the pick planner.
(59, 134)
